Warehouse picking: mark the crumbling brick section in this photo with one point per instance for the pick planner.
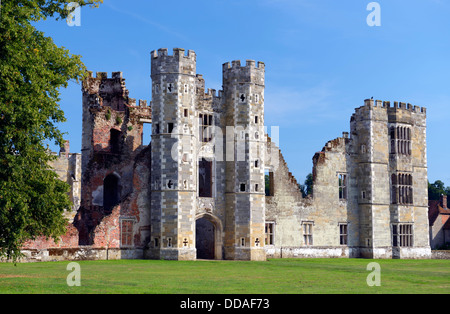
(112, 149)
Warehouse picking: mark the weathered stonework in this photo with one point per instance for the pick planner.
(198, 189)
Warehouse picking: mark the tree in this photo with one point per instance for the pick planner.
(307, 187)
(32, 70)
(436, 189)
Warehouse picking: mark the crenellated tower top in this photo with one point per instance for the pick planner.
(252, 72)
(178, 62)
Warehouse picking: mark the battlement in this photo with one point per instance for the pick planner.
(132, 102)
(370, 103)
(251, 72)
(104, 75)
(249, 64)
(213, 93)
(177, 63)
(177, 53)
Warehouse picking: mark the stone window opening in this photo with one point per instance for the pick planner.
(242, 241)
(269, 183)
(126, 232)
(146, 134)
(402, 235)
(342, 186)
(400, 140)
(343, 234)
(170, 127)
(114, 141)
(242, 187)
(205, 129)
(169, 242)
(402, 189)
(269, 230)
(111, 192)
(205, 178)
(307, 227)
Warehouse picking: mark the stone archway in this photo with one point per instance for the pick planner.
(208, 237)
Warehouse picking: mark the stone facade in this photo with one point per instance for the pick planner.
(370, 191)
(198, 189)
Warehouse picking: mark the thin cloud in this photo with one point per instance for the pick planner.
(147, 21)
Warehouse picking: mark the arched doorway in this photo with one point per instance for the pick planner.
(204, 238)
(208, 237)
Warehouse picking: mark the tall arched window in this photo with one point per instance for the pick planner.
(114, 141)
(111, 191)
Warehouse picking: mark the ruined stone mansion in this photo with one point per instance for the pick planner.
(198, 189)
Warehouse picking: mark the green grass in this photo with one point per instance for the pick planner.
(276, 276)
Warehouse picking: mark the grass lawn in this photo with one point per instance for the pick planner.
(276, 276)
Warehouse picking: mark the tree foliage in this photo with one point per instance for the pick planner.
(436, 189)
(307, 187)
(32, 70)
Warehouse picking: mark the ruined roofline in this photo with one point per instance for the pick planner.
(209, 92)
(177, 52)
(370, 103)
(104, 75)
(129, 102)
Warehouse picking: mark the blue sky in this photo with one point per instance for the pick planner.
(322, 60)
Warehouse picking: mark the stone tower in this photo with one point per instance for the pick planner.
(243, 91)
(389, 180)
(173, 183)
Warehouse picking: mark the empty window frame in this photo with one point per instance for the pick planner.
(402, 189)
(400, 140)
(111, 192)
(205, 127)
(343, 234)
(114, 141)
(307, 228)
(126, 232)
(402, 235)
(270, 233)
(342, 178)
(169, 127)
(269, 183)
(205, 178)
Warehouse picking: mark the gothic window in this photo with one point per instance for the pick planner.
(205, 131)
(342, 186)
(402, 189)
(402, 235)
(205, 178)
